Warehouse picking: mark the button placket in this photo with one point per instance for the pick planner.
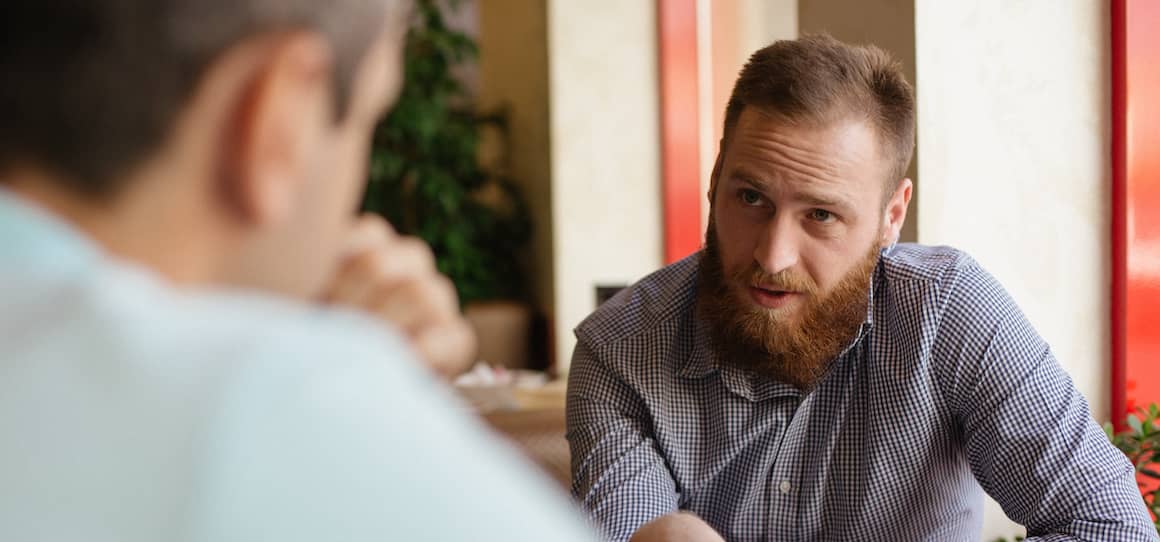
(784, 502)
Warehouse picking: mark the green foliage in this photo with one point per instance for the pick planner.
(425, 177)
(1141, 443)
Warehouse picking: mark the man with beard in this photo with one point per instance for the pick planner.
(804, 378)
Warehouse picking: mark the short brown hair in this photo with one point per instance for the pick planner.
(91, 87)
(818, 79)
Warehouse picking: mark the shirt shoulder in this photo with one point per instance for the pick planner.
(336, 404)
(242, 395)
(942, 278)
(226, 330)
(359, 430)
(666, 294)
(923, 263)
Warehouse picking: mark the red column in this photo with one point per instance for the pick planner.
(1135, 205)
(680, 164)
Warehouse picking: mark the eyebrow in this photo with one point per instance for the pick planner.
(807, 197)
(820, 200)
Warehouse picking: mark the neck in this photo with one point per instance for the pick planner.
(148, 224)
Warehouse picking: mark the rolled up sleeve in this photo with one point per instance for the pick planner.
(618, 473)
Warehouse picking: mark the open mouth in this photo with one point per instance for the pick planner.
(771, 298)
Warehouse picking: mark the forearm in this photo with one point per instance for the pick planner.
(619, 474)
(1114, 512)
(1057, 475)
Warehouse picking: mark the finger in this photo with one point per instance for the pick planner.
(355, 281)
(405, 257)
(449, 349)
(361, 275)
(415, 304)
(369, 231)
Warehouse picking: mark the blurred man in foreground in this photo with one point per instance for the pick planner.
(176, 187)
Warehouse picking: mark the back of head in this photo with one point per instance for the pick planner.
(92, 87)
(818, 80)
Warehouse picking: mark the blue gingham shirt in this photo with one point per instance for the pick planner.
(945, 389)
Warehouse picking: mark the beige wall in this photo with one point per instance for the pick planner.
(513, 72)
(764, 22)
(889, 24)
(1013, 105)
(605, 152)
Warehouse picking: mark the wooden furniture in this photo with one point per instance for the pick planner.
(536, 428)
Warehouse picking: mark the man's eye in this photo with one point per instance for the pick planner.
(821, 215)
(750, 197)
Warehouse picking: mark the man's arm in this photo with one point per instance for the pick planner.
(1028, 433)
(618, 474)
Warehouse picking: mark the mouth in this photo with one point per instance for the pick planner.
(772, 298)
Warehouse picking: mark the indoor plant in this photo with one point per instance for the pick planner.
(427, 180)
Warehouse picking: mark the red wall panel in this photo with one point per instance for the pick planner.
(680, 163)
(1136, 205)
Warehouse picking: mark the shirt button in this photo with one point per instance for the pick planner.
(785, 487)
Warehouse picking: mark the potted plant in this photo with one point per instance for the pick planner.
(426, 179)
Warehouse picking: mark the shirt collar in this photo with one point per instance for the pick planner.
(34, 236)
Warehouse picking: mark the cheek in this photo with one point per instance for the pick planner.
(341, 177)
(337, 185)
(827, 266)
(737, 239)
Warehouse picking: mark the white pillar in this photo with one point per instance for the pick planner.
(1014, 118)
(605, 152)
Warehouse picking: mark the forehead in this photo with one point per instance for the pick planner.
(844, 153)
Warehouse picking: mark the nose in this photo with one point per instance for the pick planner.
(778, 246)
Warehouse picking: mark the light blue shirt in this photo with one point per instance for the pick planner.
(133, 411)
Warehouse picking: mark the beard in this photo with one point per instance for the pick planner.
(795, 348)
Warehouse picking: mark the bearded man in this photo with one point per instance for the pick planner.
(805, 378)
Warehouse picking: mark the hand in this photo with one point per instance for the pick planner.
(395, 279)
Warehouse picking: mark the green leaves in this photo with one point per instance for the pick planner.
(424, 176)
(1134, 424)
(1141, 443)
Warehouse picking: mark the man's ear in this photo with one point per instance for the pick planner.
(895, 213)
(284, 112)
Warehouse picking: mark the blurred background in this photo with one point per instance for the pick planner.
(554, 151)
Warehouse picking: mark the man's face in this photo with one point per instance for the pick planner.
(796, 224)
(296, 255)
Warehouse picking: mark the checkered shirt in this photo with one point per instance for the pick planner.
(946, 392)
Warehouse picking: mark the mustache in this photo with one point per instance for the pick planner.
(784, 280)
